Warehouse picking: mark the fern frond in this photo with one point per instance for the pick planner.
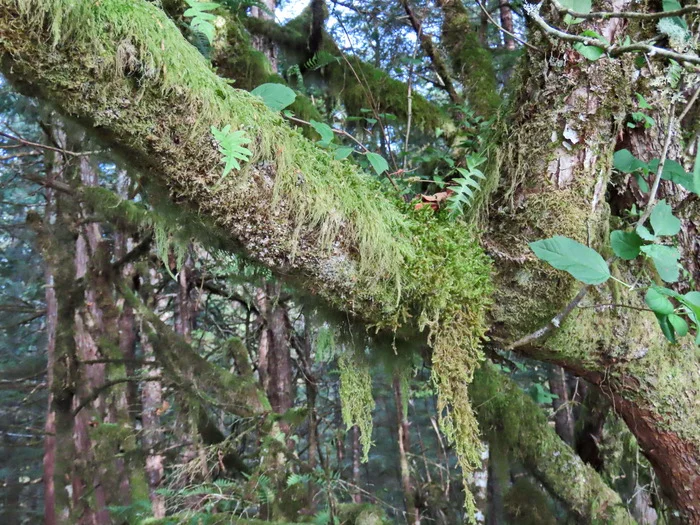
(463, 187)
(231, 147)
(201, 18)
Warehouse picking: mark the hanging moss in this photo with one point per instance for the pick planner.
(356, 398)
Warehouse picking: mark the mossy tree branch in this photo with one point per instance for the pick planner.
(505, 410)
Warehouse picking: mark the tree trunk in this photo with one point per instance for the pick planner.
(409, 489)
(563, 415)
(507, 23)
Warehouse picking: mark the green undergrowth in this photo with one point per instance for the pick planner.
(410, 268)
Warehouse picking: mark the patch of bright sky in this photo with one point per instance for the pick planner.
(290, 9)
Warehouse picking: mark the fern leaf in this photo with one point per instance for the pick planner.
(231, 147)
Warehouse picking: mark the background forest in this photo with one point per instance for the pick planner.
(440, 267)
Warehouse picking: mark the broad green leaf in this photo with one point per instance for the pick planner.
(625, 244)
(663, 221)
(666, 327)
(342, 153)
(691, 302)
(275, 96)
(579, 6)
(665, 259)
(671, 5)
(592, 53)
(674, 172)
(642, 183)
(658, 302)
(582, 262)
(325, 131)
(644, 233)
(378, 162)
(625, 162)
(679, 324)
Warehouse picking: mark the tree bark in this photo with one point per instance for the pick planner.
(563, 415)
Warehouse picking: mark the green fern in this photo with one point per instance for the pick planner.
(296, 479)
(231, 147)
(465, 186)
(201, 18)
(321, 60)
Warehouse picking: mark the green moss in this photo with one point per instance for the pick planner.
(356, 396)
(123, 64)
(504, 410)
(361, 514)
(472, 63)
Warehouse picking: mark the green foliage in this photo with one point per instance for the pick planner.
(379, 163)
(465, 186)
(276, 96)
(201, 18)
(665, 259)
(231, 147)
(592, 53)
(625, 162)
(579, 6)
(663, 221)
(582, 262)
(626, 245)
(326, 133)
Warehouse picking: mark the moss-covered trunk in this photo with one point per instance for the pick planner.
(567, 119)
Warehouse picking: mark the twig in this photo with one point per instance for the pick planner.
(44, 146)
(689, 104)
(659, 170)
(613, 305)
(611, 50)
(553, 324)
(409, 102)
(335, 130)
(625, 14)
(346, 134)
(109, 384)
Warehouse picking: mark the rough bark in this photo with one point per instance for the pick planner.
(556, 170)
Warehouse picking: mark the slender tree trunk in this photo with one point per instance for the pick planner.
(563, 414)
(262, 43)
(152, 401)
(404, 441)
(507, 23)
(49, 460)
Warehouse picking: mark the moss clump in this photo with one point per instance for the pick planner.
(356, 396)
